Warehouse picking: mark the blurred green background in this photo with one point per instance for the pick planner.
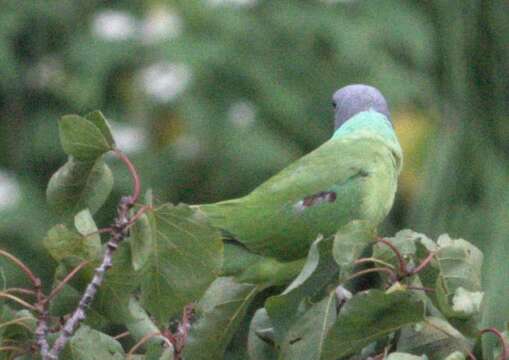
(209, 98)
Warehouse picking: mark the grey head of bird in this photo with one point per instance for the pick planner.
(353, 99)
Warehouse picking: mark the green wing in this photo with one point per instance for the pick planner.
(342, 180)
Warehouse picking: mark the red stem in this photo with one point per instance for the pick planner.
(21, 291)
(132, 170)
(36, 282)
(121, 335)
(504, 355)
(68, 278)
(402, 263)
(423, 264)
(138, 214)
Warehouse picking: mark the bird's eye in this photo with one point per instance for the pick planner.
(334, 104)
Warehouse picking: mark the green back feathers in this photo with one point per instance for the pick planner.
(352, 176)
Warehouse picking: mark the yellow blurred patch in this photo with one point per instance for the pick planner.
(414, 129)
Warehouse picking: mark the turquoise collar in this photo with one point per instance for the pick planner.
(367, 120)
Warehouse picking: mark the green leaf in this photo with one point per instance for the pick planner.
(98, 119)
(141, 242)
(305, 340)
(458, 287)
(90, 344)
(82, 139)
(85, 224)
(220, 313)
(319, 272)
(78, 185)
(260, 341)
(139, 324)
(369, 316)
(186, 257)
(349, 243)
(434, 337)
(84, 245)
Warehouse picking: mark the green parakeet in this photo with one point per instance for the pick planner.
(352, 176)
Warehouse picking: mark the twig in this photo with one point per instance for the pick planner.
(132, 170)
(68, 277)
(21, 291)
(41, 329)
(423, 264)
(36, 282)
(12, 348)
(138, 214)
(18, 321)
(6, 295)
(179, 338)
(504, 354)
(119, 232)
(121, 335)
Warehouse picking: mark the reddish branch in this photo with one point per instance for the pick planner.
(132, 170)
(41, 330)
(422, 265)
(179, 338)
(20, 291)
(402, 263)
(36, 282)
(404, 270)
(504, 354)
(68, 278)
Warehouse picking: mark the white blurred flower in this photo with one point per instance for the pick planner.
(187, 147)
(130, 139)
(238, 3)
(242, 114)
(468, 302)
(44, 72)
(10, 191)
(114, 25)
(160, 25)
(165, 81)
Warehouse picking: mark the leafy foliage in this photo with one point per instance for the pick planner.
(184, 247)
(174, 257)
(220, 313)
(438, 62)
